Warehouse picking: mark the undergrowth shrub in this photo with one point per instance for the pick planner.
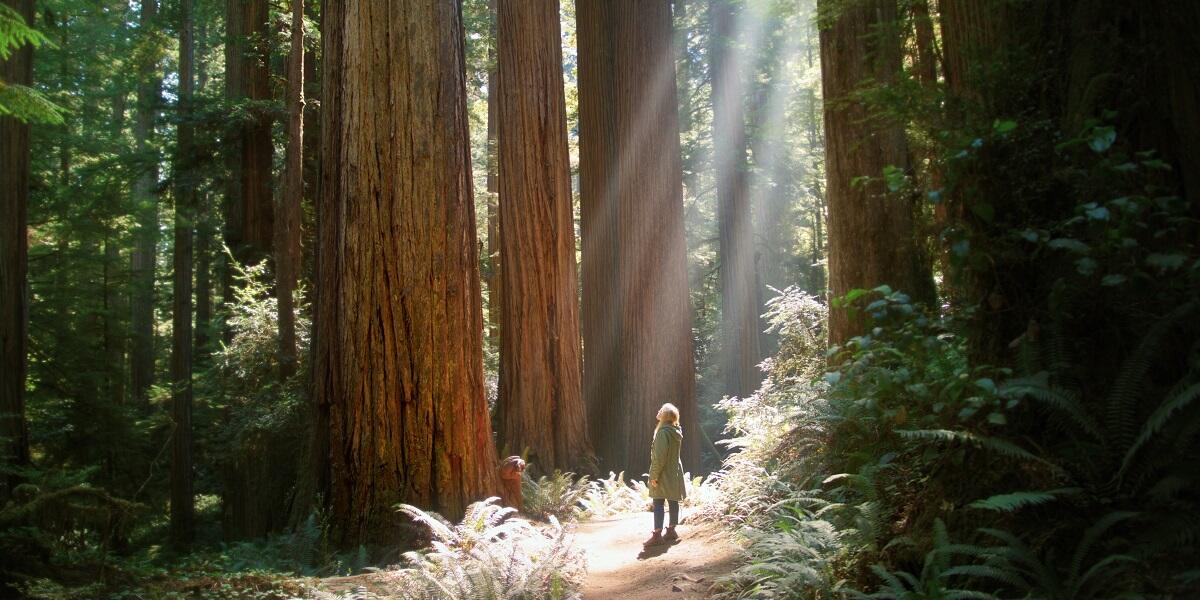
(490, 555)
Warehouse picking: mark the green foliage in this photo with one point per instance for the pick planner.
(18, 101)
(557, 495)
(489, 555)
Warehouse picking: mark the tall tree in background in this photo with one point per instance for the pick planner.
(739, 333)
(14, 201)
(287, 229)
(145, 196)
(636, 311)
(249, 208)
(492, 273)
(540, 406)
(399, 357)
(181, 347)
(872, 234)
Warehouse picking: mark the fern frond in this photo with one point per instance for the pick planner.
(1017, 500)
(996, 445)
(1157, 420)
(1038, 388)
(1123, 400)
(1093, 534)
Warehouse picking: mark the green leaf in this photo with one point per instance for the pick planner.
(1113, 279)
(1002, 127)
(1086, 266)
(1069, 245)
(1166, 262)
(984, 211)
(1018, 500)
(1096, 213)
(1102, 139)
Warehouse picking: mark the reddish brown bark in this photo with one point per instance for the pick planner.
(398, 358)
(287, 230)
(249, 209)
(492, 273)
(872, 234)
(540, 407)
(637, 323)
(14, 202)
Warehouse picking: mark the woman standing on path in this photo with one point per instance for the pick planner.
(666, 473)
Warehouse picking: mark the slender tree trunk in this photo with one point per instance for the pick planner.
(540, 405)
(249, 209)
(145, 193)
(114, 341)
(739, 344)
(492, 273)
(206, 230)
(287, 230)
(14, 202)
(635, 256)
(872, 234)
(399, 356)
(181, 336)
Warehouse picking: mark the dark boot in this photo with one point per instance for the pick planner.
(655, 540)
(671, 536)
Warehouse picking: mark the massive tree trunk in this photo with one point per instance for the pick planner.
(14, 202)
(287, 230)
(739, 343)
(399, 358)
(540, 406)
(600, 317)
(249, 208)
(637, 325)
(145, 252)
(181, 336)
(872, 233)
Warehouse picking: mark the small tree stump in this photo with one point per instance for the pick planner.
(511, 469)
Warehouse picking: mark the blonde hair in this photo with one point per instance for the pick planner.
(668, 410)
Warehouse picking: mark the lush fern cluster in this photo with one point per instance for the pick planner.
(1059, 480)
(490, 555)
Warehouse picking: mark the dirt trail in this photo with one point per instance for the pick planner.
(619, 568)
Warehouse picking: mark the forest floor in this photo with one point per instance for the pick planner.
(618, 566)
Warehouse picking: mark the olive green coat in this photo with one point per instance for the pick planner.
(665, 465)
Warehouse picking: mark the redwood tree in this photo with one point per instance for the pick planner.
(145, 194)
(14, 201)
(181, 337)
(872, 233)
(398, 357)
(249, 208)
(739, 342)
(636, 319)
(540, 407)
(287, 230)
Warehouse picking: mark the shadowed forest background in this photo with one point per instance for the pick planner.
(282, 282)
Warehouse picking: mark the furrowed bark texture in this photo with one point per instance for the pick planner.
(636, 314)
(14, 204)
(250, 207)
(182, 507)
(145, 252)
(399, 359)
(492, 273)
(739, 344)
(287, 230)
(872, 234)
(540, 407)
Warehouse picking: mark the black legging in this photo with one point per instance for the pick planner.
(658, 512)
